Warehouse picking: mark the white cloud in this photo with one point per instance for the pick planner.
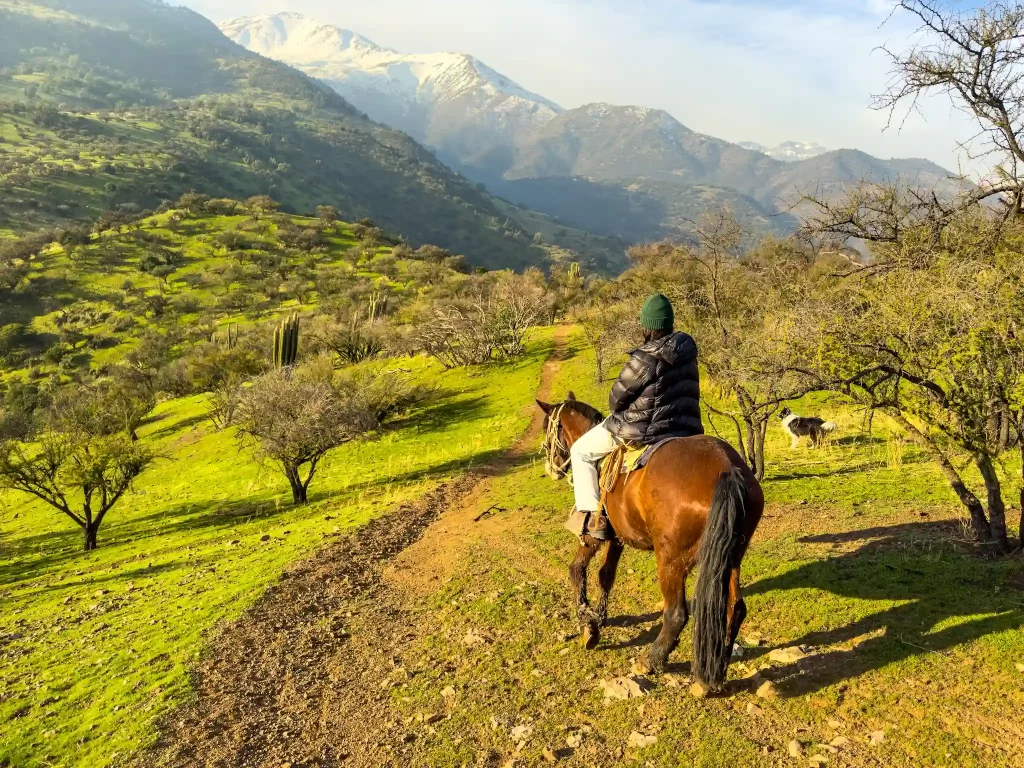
(759, 71)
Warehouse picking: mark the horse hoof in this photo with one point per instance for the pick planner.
(591, 637)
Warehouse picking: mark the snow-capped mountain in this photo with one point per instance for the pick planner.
(788, 151)
(449, 101)
(625, 171)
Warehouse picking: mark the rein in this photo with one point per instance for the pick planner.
(553, 441)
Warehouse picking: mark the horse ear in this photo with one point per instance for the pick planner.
(546, 407)
(571, 395)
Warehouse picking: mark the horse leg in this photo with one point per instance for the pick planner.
(606, 578)
(672, 579)
(578, 579)
(737, 608)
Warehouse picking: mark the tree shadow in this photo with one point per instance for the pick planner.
(822, 470)
(858, 439)
(937, 581)
(179, 425)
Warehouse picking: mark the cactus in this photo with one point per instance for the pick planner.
(378, 304)
(286, 342)
(229, 338)
(575, 273)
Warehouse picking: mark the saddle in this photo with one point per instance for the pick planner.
(626, 458)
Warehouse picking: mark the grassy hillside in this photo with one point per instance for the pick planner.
(96, 647)
(128, 103)
(190, 275)
(911, 657)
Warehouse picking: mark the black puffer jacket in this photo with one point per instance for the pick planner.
(657, 395)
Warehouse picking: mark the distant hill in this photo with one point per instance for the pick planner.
(131, 102)
(190, 274)
(625, 171)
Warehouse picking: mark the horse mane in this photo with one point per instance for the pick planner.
(584, 410)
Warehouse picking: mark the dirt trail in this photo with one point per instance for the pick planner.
(300, 679)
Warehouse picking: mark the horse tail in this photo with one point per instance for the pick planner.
(720, 550)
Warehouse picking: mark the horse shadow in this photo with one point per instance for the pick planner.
(947, 597)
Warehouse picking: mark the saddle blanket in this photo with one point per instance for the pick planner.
(637, 456)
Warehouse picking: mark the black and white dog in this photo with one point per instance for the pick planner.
(816, 429)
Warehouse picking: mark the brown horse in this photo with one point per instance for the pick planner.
(695, 503)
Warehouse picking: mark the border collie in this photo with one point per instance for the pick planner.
(816, 429)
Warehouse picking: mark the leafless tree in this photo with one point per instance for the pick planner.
(292, 422)
(80, 462)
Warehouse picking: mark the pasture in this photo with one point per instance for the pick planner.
(884, 639)
(94, 647)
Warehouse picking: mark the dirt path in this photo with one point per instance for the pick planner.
(302, 678)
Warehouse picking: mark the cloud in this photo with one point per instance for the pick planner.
(737, 69)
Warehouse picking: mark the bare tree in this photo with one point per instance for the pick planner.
(292, 422)
(975, 57)
(608, 329)
(80, 462)
(736, 310)
(949, 268)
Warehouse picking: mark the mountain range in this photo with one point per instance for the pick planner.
(109, 105)
(625, 171)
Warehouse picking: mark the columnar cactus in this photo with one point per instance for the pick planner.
(286, 342)
(378, 303)
(229, 338)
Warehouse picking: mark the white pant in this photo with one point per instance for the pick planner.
(586, 453)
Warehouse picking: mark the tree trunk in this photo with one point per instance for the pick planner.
(751, 440)
(978, 520)
(996, 510)
(298, 489)
(91, 529)
(759, 438)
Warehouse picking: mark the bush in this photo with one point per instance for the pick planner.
(292, 423)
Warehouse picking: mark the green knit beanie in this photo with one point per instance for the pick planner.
(657, 313)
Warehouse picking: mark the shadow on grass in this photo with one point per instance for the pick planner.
(859, 439)
(823, 471)
(938, 582)
(172, 427)
(32, 557)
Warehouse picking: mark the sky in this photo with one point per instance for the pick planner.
(753, 70)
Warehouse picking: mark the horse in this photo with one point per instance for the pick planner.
(695, 503)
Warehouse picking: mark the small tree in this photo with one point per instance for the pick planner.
(607, 330)
(327, 214)
(127, 402)
(79, 463)
(292, 422)
(260, 205)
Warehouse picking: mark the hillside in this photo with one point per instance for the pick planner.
(130, 103)
(182, 277)
(635, 173)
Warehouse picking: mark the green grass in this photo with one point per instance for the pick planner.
(96, 646)
(104, 279)
(910, 633)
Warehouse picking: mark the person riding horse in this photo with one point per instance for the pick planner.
(656, 397)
